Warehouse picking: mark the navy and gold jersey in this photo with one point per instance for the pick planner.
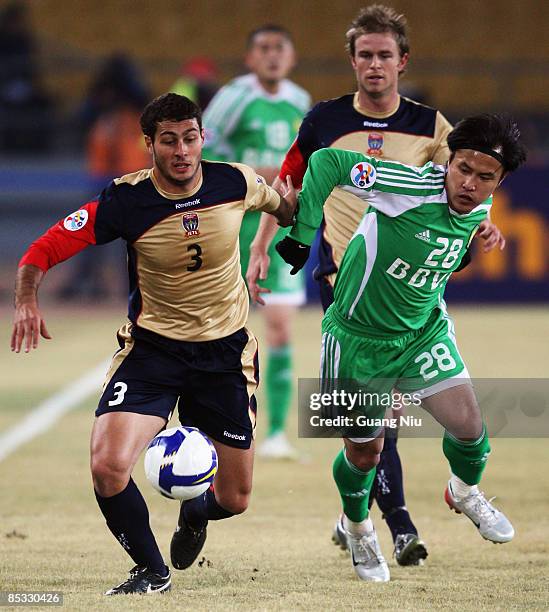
(412, 133)
(183, 258)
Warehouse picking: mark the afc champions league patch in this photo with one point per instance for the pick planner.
(76, 220)
(375, 144)
(190, 224)
(363, 175)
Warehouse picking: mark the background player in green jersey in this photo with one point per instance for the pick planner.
(388, 326)
(379, 121)
(253, 120)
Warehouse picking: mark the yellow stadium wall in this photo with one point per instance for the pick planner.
(486, 53)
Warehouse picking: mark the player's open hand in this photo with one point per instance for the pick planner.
(492, 236)
(289, 192)
(28, 326)
(258, 268)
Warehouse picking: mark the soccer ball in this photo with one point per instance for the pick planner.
(181, 462)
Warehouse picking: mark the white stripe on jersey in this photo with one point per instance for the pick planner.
(221, 103)
(329, 362)
(413, 174)
(394, 204)
(368, 230)
(389, 182)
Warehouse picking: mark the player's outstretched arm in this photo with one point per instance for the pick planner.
(258, 266)
(284, 214)
(492, 236)
(28, 323)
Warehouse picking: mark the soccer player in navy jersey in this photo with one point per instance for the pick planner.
(375, 120)
(185, 343)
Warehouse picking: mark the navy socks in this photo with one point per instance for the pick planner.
(127, 517)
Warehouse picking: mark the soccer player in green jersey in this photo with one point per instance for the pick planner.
(388, 326)
(376, 120)
(253, 120)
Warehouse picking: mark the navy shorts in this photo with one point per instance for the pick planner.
(212, 382)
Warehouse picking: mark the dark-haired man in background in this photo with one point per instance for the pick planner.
(253, 120)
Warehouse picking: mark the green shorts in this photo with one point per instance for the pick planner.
(420, 363)
(285, 288)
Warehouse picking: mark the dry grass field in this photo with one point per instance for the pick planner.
(277, 556)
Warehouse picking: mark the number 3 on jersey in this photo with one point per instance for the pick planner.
(196, 253)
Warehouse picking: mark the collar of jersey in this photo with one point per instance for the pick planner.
(486, 205)
(281, 94)
(175, 196)
(373, 114)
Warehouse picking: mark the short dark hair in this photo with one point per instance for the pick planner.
(497, 133)
(378, 19)
(269, 28)
(168, 107)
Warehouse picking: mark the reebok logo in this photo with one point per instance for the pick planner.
(187, 204)
(425, 235)
(233, 436)
(376, 124)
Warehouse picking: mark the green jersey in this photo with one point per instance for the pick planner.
(246, 124)
(398, 262)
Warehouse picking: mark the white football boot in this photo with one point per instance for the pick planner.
(492, 524)
(368, 562)
(339, 535)
(276, 447)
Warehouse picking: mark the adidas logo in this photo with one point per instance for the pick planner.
(425, 235)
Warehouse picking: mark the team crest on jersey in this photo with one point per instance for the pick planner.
(76, 220)
(375, 144)
(363, 175)
(190, 224)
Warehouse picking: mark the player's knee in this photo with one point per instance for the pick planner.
(365, 457)
(469, 425)
(278, 334)
(236, 502)
(110, 474)
(367, 461)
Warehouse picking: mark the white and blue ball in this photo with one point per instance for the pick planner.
(181, 462)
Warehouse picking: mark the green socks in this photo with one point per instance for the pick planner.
(279, 386)
(354, 486)
(467, 459)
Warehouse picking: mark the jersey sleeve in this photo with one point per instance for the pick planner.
(327, 169)
(259, 196)
(95, 222)
(219, 120)
(297, 157)
(388, 186)
(441, 152)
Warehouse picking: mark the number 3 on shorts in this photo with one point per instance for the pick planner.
(440, 354)
(120, 389)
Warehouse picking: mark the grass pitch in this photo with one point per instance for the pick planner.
(278, 555)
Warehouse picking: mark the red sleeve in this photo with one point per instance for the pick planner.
(294, 164)
(63, 240)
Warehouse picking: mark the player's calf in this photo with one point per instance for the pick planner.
(190, 534)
